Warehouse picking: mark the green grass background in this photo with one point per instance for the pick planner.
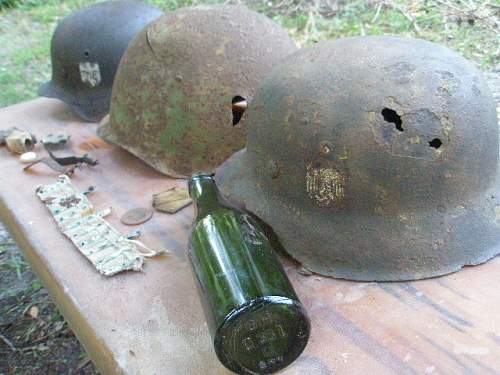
(470, 27)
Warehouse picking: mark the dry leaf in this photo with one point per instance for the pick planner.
(33, 312)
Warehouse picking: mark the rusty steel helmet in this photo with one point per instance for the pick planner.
(179, 96)
(373, 158)
(86, 49)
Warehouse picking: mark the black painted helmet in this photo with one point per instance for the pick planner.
(86, 49)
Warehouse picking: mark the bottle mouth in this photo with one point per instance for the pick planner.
(199, 176)
(202, 175)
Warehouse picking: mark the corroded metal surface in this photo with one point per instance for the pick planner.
(137, 216)
(20, 141)
(152, 322)
(374, 158)
(55, 141)
(171, 200)
(172, 102)
(86, 49)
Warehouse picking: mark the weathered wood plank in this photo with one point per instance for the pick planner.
(152, 322)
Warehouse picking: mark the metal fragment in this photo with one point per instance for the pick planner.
(55, 141)
(19, 141)
(172, 200)
(136, 216)
(52, 164)
(91, 189)
(71, 160)
(134, 235)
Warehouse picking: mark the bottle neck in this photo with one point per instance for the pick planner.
(205, 194)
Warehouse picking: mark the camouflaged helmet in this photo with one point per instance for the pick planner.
(177, 96)
(86, 49)
(373, 158)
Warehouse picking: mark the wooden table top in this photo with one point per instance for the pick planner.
(152, 322)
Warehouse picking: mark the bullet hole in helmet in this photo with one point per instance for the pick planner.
(436, 143)
(239, 105)
(392, 116)
(86, 53)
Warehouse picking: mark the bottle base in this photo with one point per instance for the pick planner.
(262, 336)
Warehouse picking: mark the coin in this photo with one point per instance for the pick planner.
(136, 216)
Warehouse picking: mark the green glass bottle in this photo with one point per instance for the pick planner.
(256, 320)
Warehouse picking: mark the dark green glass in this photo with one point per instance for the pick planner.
(255, 318)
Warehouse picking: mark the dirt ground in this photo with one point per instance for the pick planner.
(34, 338)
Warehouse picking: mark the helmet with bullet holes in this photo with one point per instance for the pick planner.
(86, 49)
(373, 158)
(181, 89)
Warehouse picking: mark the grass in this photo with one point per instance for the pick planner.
(28, 319)
(469, 27)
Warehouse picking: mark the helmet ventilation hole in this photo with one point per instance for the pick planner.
(392, 116)
(436, 143)
(239, 105)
